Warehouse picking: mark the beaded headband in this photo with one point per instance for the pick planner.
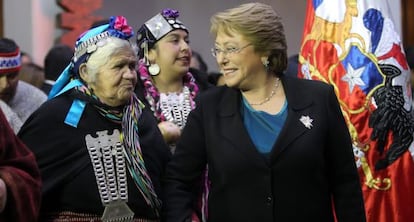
(10, 62)
(156, 28)
(91, 40)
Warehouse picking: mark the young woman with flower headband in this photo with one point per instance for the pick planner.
(97, 148)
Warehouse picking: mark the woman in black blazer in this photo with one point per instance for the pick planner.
(278, 148)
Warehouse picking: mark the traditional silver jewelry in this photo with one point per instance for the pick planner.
(275, 87)
(176, 106)
(108, 161)
(154, 69)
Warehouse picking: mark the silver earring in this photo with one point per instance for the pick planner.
(154, 69)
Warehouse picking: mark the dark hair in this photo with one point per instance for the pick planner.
(56, 60)
(409, 54)
(203, 66)
(7, 45)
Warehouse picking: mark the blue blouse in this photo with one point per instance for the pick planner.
(263, 128)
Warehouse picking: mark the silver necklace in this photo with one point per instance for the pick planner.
(275, 87)
(176, 107)
(108, 161)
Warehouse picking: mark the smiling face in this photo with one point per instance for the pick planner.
(116, 79)
(172, 53)
(239, 63)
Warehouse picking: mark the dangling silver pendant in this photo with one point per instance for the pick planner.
(117, 211)
(154, 69)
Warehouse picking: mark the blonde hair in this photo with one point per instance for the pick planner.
(102, 55)
(260, 25)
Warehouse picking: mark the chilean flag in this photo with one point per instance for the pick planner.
(353, 45)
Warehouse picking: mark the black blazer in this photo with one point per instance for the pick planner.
(308, 169)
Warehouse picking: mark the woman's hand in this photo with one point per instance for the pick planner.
(170, 131)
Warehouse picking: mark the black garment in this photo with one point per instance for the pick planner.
(68, 178)
(310, 167)
(46, 87)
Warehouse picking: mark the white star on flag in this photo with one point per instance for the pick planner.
(353, 77)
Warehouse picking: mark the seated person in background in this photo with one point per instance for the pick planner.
(33, 74)
(19, 178)
(22, 97)
(56, 60)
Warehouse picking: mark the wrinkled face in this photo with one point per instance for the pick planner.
(237, 60)
(8, 86)
(172, 53)
(116, 79)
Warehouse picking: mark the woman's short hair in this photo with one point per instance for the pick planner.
(260, 25)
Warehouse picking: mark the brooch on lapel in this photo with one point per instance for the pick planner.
(307, 121)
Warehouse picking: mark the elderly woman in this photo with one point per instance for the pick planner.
(98, 152)
(277, 148)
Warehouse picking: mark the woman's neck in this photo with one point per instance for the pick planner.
(167, 85)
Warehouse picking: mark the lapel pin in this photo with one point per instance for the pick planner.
(307, 121)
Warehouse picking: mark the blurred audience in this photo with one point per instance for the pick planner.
(292, 68)
(55, 62)
(197, 62)
(26, 58)
(33, 74)
(22, 97)
(11, 117)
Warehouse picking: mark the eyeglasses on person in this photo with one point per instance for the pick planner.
(228, 51)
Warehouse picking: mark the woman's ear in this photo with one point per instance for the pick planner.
(83, 73)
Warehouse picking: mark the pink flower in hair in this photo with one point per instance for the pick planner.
(121, 25)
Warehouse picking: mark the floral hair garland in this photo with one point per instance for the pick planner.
(153, 96)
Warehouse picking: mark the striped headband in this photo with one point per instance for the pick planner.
(10, 62)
